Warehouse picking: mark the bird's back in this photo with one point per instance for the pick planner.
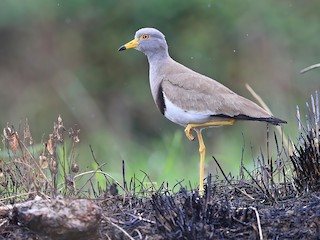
(198, 94)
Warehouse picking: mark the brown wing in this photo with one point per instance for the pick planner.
(195, 92)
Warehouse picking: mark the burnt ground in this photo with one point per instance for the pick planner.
(279, 199)
(238, 210)
(229, 211)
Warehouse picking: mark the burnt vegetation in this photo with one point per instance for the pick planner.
(279, 199)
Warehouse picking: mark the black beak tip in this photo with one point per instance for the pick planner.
(122, 48)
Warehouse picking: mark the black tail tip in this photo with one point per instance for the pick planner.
(277, 121)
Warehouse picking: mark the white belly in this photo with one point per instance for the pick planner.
(182, 117)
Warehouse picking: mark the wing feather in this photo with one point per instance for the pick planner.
(194, 92)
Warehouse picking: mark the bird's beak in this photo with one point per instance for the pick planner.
(132, 44)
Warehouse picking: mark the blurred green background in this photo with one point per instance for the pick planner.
(60, 57)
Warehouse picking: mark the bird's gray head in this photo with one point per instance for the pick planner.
(150, 41)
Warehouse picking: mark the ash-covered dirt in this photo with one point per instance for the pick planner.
(229, 210)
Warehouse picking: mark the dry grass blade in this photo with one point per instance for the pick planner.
(265, 107)
(310, 68)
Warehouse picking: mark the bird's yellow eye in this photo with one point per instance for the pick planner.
(145, 36)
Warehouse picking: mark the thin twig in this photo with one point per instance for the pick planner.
(120, 228)
(150, 181)
(4, 221)
(140, 218)
(104, 173)
(243, 192)
(257, 217)
(310, 68)
(139, 233)
(35, 162)
(95, 159)
(258, 222)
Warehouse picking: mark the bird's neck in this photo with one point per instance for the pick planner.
(156, 65)
(157, 62)
(154, 57)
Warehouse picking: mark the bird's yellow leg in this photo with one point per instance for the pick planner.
(202, 151)
(192, 126)
(202, 146)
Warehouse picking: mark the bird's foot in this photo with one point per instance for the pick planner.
(188, 131)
